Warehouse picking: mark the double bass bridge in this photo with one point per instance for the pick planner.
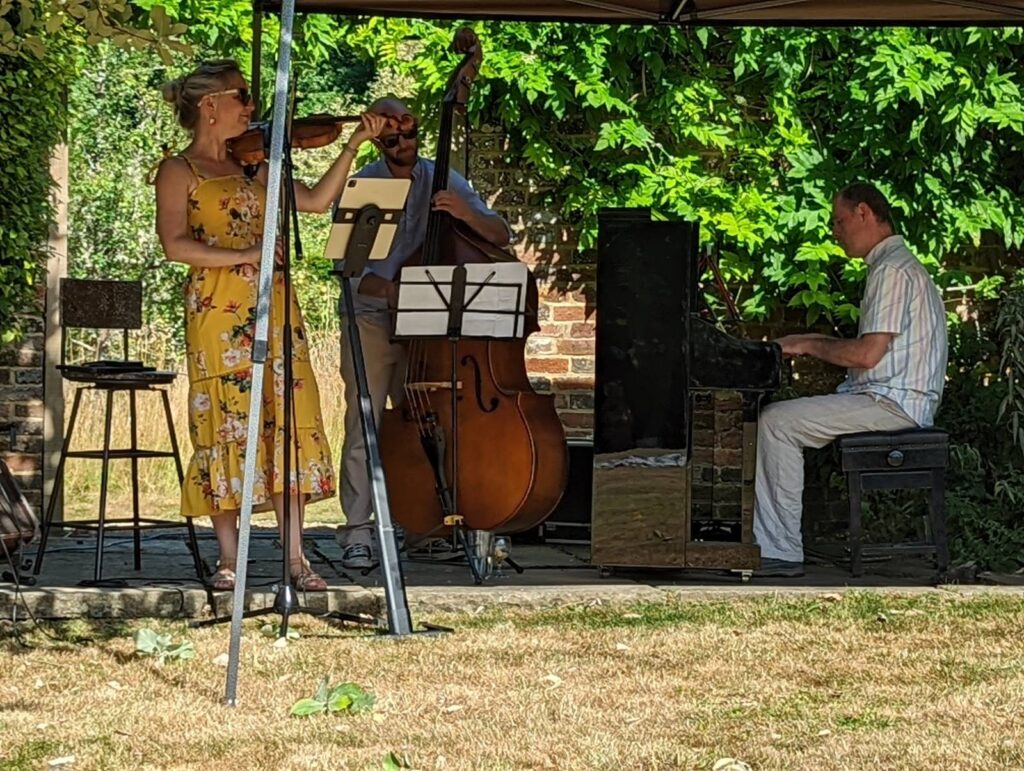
(429, 386)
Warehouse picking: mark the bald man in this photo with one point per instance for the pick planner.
(377, 292)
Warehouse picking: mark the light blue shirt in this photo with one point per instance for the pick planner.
(901, 299)
(412, 229)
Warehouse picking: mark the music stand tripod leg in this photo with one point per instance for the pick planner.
(364, 233)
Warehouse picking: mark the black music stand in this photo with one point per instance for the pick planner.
(365, 221)
(476, 301)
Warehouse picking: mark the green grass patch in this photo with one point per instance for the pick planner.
(881, 611)
(30, 755)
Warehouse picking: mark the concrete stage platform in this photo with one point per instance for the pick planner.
(553, 575)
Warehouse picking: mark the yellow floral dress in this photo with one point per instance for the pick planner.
(220, 323)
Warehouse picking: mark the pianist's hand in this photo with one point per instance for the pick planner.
(793, 345)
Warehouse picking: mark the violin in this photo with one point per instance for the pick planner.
(250, 147)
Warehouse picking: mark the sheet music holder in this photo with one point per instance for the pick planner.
(479, 301)
(363, 198)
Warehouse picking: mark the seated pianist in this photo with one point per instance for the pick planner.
(896, 368)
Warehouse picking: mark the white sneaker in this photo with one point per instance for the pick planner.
(357, 556)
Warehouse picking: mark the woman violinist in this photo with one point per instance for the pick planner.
(210, 217)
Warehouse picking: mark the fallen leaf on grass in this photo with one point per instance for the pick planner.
(221, 660)
(114, 685)
(621, 647)
(631, 615)
(824, 732)
(453, 708)
(553, 680)
(62, 762)
(832, 597)
(730, 764)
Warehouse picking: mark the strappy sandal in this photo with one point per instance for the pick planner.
(224, 579)
(307, 579)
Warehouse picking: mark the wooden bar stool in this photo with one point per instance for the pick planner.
(897, 460)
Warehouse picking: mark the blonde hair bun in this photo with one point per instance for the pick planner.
(186, 92)
(171, 90)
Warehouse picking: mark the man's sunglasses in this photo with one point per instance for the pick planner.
(391, 141)
(242, 93)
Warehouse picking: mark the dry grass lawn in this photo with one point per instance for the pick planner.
(861, 682)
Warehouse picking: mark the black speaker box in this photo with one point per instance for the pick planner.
(570, 521)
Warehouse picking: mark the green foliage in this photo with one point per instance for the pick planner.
(751, 131)
(118, 121)
(150, 643)
(38, 39)
(347, 697)
(31, 122)
(31, 27)
(1010, 329)
(981, 408)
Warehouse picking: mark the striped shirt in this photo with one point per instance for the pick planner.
(901, 299)
(412, 229)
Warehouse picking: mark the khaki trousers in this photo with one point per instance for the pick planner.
(385, 374)
(784, 430)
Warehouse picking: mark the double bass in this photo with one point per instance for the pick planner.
(471, 443)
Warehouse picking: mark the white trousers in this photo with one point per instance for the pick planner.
(385, 375)
(784, 430)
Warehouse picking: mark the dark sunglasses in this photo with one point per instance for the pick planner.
(242, 93)
(391, 141)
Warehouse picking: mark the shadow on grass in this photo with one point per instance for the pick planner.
(28, 634)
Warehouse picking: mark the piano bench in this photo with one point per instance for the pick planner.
(897, 460)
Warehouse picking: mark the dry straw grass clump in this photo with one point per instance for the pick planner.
(861, 682)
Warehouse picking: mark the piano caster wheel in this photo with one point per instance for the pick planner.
(606, 572)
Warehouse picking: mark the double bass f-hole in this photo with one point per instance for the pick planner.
(468, 360)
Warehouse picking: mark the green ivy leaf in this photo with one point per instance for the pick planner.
(306, 707)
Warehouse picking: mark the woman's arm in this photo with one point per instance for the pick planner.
(325, 192)
(172, 189)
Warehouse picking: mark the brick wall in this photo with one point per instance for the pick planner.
(21, 407)
(560, 358)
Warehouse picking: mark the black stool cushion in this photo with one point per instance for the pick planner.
(911, 437)
(891, 451)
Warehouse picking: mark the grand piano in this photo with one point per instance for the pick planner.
(658, 367)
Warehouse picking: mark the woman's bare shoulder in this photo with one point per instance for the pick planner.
(174, 171)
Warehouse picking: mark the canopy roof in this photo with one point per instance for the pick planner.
(726, 12)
